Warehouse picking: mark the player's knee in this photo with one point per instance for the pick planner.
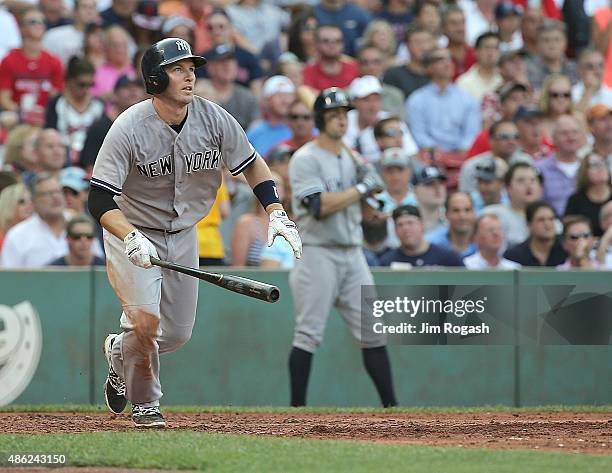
(174, 340)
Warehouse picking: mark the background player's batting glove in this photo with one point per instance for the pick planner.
(371, 184)
(281, 225)
(139, 249)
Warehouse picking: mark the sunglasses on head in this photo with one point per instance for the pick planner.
(392, 132)
(578, 236)
(78, 236)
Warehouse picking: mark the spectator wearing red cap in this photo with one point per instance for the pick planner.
(29, 76)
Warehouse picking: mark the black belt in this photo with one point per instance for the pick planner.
(166, 232)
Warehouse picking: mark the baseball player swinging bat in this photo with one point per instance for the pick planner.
(244, 286)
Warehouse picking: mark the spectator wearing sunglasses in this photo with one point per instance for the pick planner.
(80, 236)
(504, 139)
(301, 123)
(73, 112)
(577, 240)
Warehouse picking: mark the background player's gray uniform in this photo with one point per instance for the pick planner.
(168, 181)
(333, 267)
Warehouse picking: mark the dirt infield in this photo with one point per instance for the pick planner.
(561, 431)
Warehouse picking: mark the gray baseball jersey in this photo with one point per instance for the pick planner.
(164, 180)
(333, 267)
(313, 170)
(167, 181)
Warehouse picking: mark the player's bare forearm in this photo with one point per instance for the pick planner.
(6, 102)
(257, 173)
(332, 202)
(115, 222)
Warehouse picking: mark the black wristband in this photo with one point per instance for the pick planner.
(266, 193)
(99, 202)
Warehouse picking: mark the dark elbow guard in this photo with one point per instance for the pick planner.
(99, 202)
(313, 205)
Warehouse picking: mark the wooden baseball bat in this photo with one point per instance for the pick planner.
(244, 286)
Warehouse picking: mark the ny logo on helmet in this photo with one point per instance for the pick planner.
(182, 45)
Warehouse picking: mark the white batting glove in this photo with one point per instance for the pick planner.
(139, 249)
(281, 225)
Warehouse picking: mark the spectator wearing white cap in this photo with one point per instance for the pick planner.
(277, 95)
(366, 95)
(489, 239)
(68, 40)
(75, 187)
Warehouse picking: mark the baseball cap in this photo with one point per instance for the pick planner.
(394, 157)
(220, 51)
(506, 89)
(364, 86)
(525, 112)
(490, 169)
(506, 9)
(406, 210)
(276, 85)
(177, 20)
(74, 178)
(124, 81)
(427, 175)
(598, 110)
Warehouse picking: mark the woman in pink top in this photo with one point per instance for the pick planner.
(118, 62)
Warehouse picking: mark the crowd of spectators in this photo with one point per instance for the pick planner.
(489, 121)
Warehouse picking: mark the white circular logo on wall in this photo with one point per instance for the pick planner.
(20, 347)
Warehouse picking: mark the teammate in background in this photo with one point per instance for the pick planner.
(156, 175)
(327, 189)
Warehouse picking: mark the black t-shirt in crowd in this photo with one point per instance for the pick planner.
(434, 256)
(580, 204)
(93, 141)
(522, 254)
(404, 79)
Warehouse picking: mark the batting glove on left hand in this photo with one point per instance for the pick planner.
(281, 225)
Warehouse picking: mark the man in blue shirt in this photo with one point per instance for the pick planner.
(459, 234)
(415, 250)
(277, 95)
(442, 116)
(351, 19)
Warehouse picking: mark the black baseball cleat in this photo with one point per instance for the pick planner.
(114, 386)
(147, 417)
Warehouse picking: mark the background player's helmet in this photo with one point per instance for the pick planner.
(329, 99)
(161, 54)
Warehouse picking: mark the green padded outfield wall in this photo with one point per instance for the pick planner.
(238, 352)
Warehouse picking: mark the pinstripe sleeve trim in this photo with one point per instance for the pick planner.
(104, 185)
(311, 190)
(242, 166)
